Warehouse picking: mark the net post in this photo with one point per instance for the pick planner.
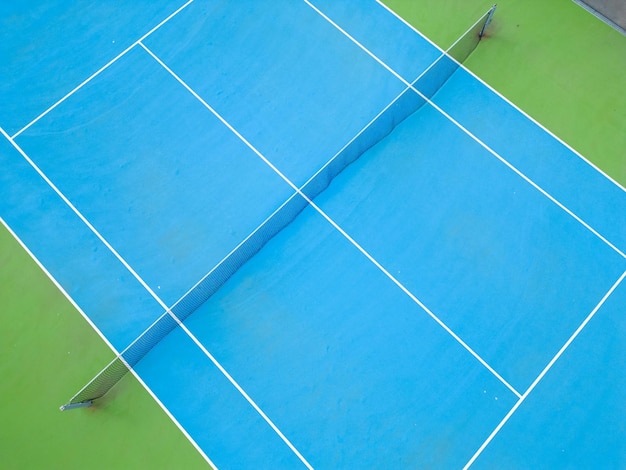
(488, 20)
(71, 406)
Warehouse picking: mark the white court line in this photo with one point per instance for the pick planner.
(101, 69)
(297, 193)
(259, 227)
(57, 284)
(367, 126)
(262, 224)
(83, 219)
(484, 18)
(408, 87)
(356, 136)
(544, 372)
(332, 222)
(470, 134)
(169, 311)
(524, 113)
(150, 291)
(104, 338)
(240, 390)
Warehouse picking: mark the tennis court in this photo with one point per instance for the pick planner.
(370, 267)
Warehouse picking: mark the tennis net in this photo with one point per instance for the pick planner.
(405, 104)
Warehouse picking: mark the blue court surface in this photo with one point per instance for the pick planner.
(428, 283)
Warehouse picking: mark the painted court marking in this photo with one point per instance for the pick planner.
(466, 131)
(375, 118)
(120, 258)
(544, 372)
(152, 293)
(271, 216)
(83, 218)
(259, 227)
(537, 123)
(333, 223)
(101, 69)
(104, 338)
(319, 210)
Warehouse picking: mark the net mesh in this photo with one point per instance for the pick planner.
(405, 104)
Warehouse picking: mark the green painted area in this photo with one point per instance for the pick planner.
(553, 59)
(48, 352)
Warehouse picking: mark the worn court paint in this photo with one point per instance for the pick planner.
(136, 116)
(41, 341)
